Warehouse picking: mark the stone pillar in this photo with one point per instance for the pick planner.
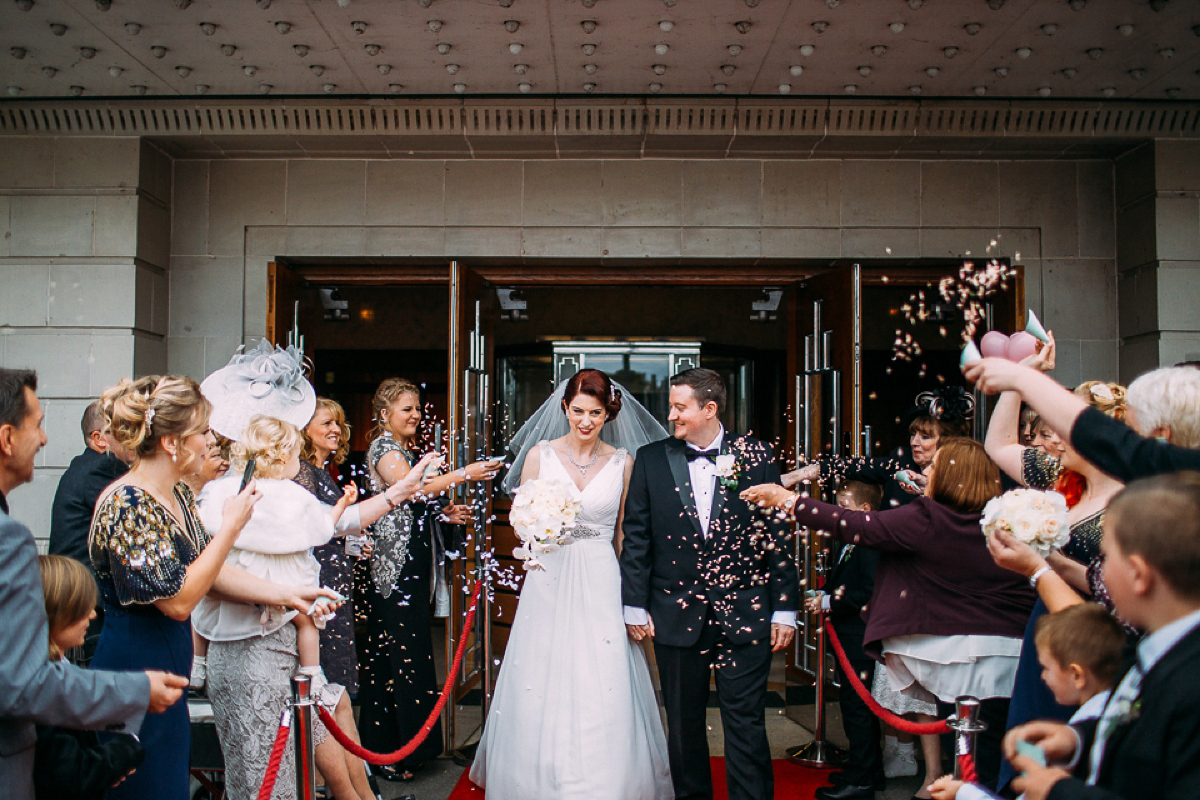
(1158, 255)
(83, 254)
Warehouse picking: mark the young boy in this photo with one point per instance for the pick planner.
(1147, 741)
(1080, 650)
(846, 595)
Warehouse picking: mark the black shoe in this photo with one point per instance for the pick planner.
(846, 792)
(838, 778)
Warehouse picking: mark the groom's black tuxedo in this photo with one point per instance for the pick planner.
(711, 599)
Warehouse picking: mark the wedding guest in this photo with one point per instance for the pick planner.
(399, 684)
(1081, 652)
(1146, 742)
(214, 465)
(102, 461)
(1114, 447)
(73, 764)
(845, 598)
(155, 560)
(34, 690)
(944, 618)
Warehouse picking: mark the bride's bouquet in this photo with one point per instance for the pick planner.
(543, 514)
(1035, 517)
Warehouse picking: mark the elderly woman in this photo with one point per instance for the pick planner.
(944, 617)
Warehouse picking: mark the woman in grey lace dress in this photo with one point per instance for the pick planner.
(399, 686)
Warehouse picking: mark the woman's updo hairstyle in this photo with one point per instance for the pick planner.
(597, 385)
(1108, 398)
(141, 412)
(391, 390)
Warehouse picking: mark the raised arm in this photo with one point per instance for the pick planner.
(1003, 442)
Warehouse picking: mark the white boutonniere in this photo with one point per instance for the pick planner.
(1127, 712)
(727, 470)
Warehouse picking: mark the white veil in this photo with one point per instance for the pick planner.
(633, 427)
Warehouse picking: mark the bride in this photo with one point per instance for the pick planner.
(574, 713)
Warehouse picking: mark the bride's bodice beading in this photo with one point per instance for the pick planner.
(600, 499)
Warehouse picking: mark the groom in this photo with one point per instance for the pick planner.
(711, 582)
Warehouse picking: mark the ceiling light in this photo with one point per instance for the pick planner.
(115, 71)
(209, 28)
(372, 49)
(1127, 30)
(521, 69)
(734, 50)
(57, 28)
(138, 89)
(1167, 52)
(250, 70)
(1137, 73)
(1157, 5)
(896, 27)
(589, 87)
(833, 3)
(183, 71)
(665, 25)
(719, 88)
(1108, 91)
(864, 70)
(75, 90)
(1094, 53)
(285, 27)
(656, 88)
(133, 28)
(301, 49)
(785, 88)
(515, 48)
(588, 49)
(820, 27)
(384, 69)
(358, 26)
(1049, 29)
(1023, 52)
(1077, 5)
(265, 88)
(395, 88)
(661, 49)
(1044, 91)
(14, 91)
(995, 5)
(87, 52)
(459, 88)
(201, 88)
(443, 48)
(850, 88)
(950, 52)
(103, 5)
(49, 72)
(435, 25)
(228, 49)
(1172, 92)
(511, 25)
(728, 69)
(980, 91)
(796, 70)
(914, 89)
(329, 87)
(24, 5)
(972, 28)
(525, 88)
(1068, 72)
(659, 69)
(588, 3)
(452, 69)
(263, 4)
(932, 71)
(1001, 72)
(879, 49)
(588, 25)
(421, 3)
(743, 26)
(806, 49)
(915, 4)
(158, 51)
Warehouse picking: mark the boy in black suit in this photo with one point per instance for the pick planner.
(845, 597)
(1147, 741)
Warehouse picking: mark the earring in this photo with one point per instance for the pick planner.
(175, 457)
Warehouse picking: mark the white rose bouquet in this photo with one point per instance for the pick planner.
(1035, 517)
(543, 513)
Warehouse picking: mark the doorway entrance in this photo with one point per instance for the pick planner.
(806, 351)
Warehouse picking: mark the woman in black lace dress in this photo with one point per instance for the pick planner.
(399, 686)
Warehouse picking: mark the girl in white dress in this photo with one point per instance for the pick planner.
(276, 543)
(574, 713)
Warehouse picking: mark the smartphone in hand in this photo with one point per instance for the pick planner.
(247, 474)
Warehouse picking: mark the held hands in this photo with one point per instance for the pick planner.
(639, 632)
(806, 474)
(813, 604)
(781, 636)
(1011, 553)
(767, 495)
(165, 690)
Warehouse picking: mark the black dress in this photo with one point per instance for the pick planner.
(339, 659)
(399, 684)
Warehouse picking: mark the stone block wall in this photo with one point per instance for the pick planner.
(84, 247)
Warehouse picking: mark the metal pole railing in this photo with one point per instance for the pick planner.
(966, 726)
(818, 752)
(302, 730)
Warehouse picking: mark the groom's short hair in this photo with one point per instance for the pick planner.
(706, 385)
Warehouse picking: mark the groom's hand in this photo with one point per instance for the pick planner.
(639, 632)
(781, 636)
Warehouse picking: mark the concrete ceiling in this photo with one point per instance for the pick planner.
(938, 48)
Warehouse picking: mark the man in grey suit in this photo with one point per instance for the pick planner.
(32, 688)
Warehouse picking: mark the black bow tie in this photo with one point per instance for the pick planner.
(711, 455)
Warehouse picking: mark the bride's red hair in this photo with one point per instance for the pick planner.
(595, 384)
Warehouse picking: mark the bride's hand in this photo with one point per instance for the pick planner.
(639, 632)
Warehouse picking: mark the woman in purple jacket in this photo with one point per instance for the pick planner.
(944, 618)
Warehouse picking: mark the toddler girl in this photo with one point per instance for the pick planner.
(275, 545)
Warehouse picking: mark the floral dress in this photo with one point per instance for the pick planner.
(141, 553)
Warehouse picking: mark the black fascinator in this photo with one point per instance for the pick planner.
(949, 404)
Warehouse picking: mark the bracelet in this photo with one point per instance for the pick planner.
(1036, 576)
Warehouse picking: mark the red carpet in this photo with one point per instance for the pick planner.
(792, 782)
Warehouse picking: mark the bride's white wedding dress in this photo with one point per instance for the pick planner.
(574, 714)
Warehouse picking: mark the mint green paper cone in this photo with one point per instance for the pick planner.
(1034, 328)
(970, 353)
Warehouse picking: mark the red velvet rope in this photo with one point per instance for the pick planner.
(380, 759)
(966, 768)
(281, 737)
(899, 723)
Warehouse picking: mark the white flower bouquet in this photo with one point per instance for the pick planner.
(543, 514)
(1033, 516)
